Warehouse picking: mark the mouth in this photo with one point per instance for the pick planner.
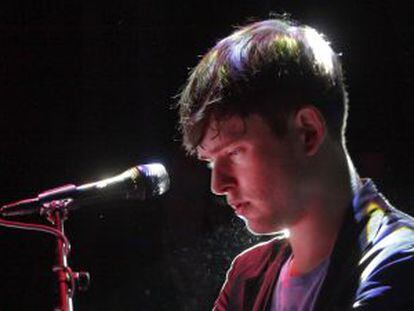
(239, 208)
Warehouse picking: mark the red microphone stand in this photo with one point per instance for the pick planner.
(68, 281)
(57, 212)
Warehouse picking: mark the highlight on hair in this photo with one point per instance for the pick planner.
(270, 67)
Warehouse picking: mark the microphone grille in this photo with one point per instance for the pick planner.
(156, 176)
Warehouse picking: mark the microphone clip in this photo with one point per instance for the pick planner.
(48, 209)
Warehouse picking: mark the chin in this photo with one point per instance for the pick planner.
(259, 230)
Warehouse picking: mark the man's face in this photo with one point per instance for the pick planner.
(256, 171)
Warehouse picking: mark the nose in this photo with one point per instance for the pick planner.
(222, 179)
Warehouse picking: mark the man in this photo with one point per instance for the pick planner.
(267, 109)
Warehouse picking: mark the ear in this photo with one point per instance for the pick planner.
(311, 128)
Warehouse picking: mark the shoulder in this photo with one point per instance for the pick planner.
(392, 239)
(384, 230)
(395, 234)
(387, 264)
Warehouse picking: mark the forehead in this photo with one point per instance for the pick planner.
(220, 133)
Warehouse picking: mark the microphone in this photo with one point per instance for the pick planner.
(139, 182)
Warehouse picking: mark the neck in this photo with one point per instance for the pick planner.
(313, 237)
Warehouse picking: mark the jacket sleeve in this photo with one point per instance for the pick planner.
(388, 285)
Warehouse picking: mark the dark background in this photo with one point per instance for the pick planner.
(86, 88)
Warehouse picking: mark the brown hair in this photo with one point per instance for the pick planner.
(271, 68)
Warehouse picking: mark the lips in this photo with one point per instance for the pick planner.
(238, 207)
(233, 204)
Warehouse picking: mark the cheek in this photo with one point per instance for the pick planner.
(270, 182)
(258, 179)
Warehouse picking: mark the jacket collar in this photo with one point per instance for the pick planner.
(369, 208)
(360, 227)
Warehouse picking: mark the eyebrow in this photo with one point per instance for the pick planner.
(216, 149)
(234, 135)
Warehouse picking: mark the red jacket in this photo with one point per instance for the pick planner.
(371, 267)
